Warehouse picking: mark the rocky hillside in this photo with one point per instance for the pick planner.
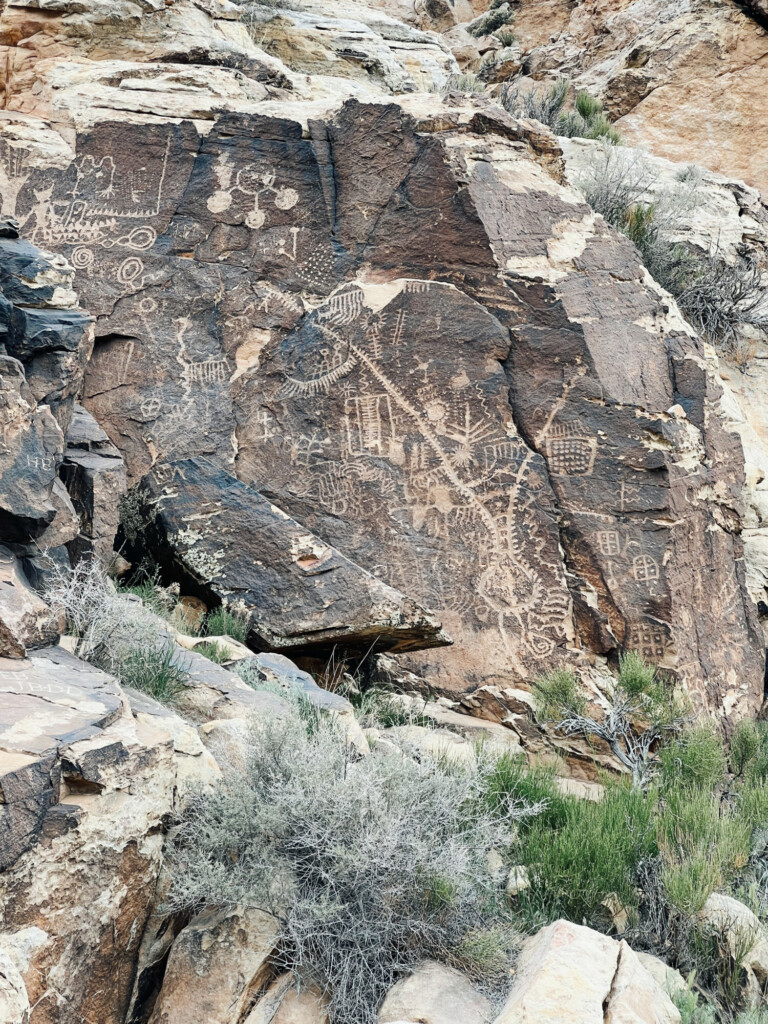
(331, 333)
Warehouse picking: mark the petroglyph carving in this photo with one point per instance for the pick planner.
(208, 371)
(645, 568)
(608, 542)
(368, 421)
(570, 451)
(650, 639)
(254, 183)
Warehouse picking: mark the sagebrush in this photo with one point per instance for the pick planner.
(371, 864)
(587, 119)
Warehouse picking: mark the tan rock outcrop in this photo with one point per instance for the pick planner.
(286, 1002)
(87, 783)
(25, 619)
(435, 994)
(745, 937)
(568, 974)
(216, 964)
(679, 78)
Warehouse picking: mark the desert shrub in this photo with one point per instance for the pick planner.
(593, 855)
(153, 670)
(377, 707)
(136, 512)
(499, 14)
(467, 82)
(370, 864)
(746, 742)
(752, 803)
(114, 631)
(145, 583)
(587, 120)
(213, 651)
(703, 843)
(512, 779)
(716, 296)
(643, 709)
(723, 297)
(692, 1009)
(506, 36)
(223, 621)
(696, 758)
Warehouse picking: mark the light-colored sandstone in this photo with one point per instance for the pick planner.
(435, 994)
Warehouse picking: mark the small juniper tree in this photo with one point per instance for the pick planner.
(643, 709)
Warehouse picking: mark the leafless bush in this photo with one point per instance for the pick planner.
(114, 631)
(724, 297)
(642, 709)
(716, 296)
(371, 864)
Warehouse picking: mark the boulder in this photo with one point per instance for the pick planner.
(744, 935)
(286, 1002)
(14, 1003)
(45, 340)
(216, 965)
(94, 474)
(435, 994)
(670, 980)
(300, 593)
(391, 321)
(25, 619)
(568, 974)
(88, 785)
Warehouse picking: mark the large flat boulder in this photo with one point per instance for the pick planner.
(392, 323)
(435, 994)
(216, 965)
(300, 593)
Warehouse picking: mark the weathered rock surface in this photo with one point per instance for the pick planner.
(680, 77)
(299, 592)
(435, 994)
(44, 343)
(745, 937)
(357, 318)
(87, 784)
(94, 474)
(286, 1003)
(25, 619)
(216, 965)
(568, 974)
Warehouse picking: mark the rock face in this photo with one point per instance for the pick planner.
(45, 340)
(435, 994)
(216, 965)
(25, 620)
(299, 591)
(86, 783)
(398, 329)
(94, 474)
(568, 974)
(680, 77)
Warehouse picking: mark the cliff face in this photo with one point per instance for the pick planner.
(396, 323)
(388, 384)
(680, 78)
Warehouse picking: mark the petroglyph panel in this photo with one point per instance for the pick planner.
(331, 312)
(403, 429)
